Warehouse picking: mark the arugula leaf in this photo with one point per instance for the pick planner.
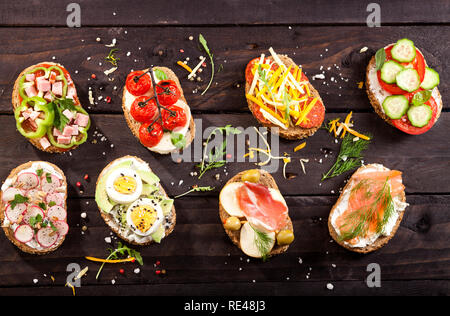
(121, 250)
(160, 75)
(380, 57)
(178, 140)
(202, 41)
(18, 199)
(421, 97)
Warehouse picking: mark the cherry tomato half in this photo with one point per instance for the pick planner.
(168, 92)
(173, 117)
(137, 83)
(150, 136)
(143, 111)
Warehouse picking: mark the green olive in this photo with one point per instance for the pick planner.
(285, 237)
(233, 223)
(252, 175)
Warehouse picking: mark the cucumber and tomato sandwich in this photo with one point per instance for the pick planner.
(33, 210)
(47, 109)
(133, 203)
(369, 211)
(255, 215)
(403, 89)
(280, 95)
(156, 110)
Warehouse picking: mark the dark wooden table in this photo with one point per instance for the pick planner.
(198, 257)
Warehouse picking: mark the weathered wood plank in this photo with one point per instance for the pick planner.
(197, 12)
(199, 253)
(425, 167)
(233, 47)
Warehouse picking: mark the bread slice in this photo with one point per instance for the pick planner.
(293, 132)
(10, 233)
(16, 102)
(380, 241)
(377, 95)
(134, 125)
(267, 180)
(110, 221)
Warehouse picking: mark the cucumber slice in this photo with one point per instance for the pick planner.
(408, 80)
(420, 115)
(404, 51)
(431, 79)
(389, 71)
(395, 106)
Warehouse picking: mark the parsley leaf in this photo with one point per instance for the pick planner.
(178, 140)
(52, 203)
(35, 220)
(42, 206)
(59, 106)
(39, 172)
(48, 177)
(18, 199)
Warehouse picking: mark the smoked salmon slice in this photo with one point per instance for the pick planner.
(256, 202)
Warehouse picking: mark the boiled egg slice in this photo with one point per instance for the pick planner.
(124, 186)
(144, 216)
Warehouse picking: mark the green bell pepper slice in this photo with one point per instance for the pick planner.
(61, 77)
(22, 80)
(38, 104)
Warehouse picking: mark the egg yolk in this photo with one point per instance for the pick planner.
(125, 185)
(143, 217)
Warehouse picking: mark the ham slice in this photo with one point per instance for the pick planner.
(75, 130)
(43, 84)
(30, 77)
(68, 130)
(57, 88)
(44, 142)
(56, 132)
(31, 91)
(82, 119)
(64, 140)
(68, 114)
(48, 97)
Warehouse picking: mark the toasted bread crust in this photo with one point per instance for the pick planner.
(110, 221)
(10, 233)
(380, 242)
(377, 106)
(134, 125)
(267, 180)
(16, 102)
(293, 132)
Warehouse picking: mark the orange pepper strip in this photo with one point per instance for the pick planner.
(110, 261)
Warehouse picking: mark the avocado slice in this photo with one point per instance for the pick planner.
(149, 189)
(101, 197)
(165, 203)
(158, 234)
(148, 176)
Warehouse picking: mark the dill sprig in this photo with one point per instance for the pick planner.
(196, 189)
(112, 57)
(358, 221)
(349, 157)
(204, 43)
(263, 243)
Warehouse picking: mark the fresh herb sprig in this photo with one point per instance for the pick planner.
(263, 242)
(215, 155)
(112, 57)
(380, 57)
(59, 106)
(202, 41)
(196, 189)
(18, 199)
(121, 250)
(349, 158)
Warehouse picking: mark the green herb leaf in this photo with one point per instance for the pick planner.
(380, 57)
(39, 172)
(195, 189)
(202, 41)
(48, 177)
(52, 203)
(421, 97)
(263, 243)
(112, 57)
(160, 75)
(121, 250)
(42, 206)
(18, 199)
(178, 140)
(53, 227)
(35, 220)
(59, 106)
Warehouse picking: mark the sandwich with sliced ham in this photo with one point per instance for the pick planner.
(255, 215)
(47, 110)
(280, 95)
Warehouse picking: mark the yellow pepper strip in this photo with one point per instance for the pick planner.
(110, 261)
(301, 146)
(333, 126)
(295, 72)
(184, 66)
(307, 90)
(299, 74)
(306, 111)
(265, 108)
(347, 121)
(355, 133)
(275, 75)
(73, 288)
(360, 85)
(280, 81)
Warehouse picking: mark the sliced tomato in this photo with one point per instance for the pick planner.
(418, 63)
(404, 124)
(248, 70)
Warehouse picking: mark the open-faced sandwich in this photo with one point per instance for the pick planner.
(156, 110)
(280, 95)
(255, 215)
(403, 89)
(133, 203)
(369, 211)
(33, 207)
(47, 110)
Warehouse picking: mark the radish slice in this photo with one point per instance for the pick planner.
(9, 194)
(32, 211)
(28, 180)
(24, 233)
(46, 237)
(50, 186)
(62, 227)
(57, 212)
(58, 198)
(33, 194)
(14, 215)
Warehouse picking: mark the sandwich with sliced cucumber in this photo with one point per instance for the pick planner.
(133, 203)
(403, 89)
